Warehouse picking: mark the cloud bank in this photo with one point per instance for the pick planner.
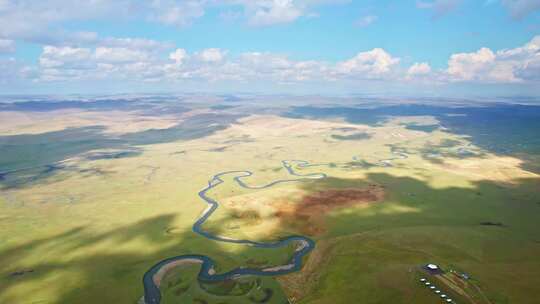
(140, 60)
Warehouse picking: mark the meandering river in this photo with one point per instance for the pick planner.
(152, 278)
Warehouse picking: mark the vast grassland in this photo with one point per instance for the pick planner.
(87, 206)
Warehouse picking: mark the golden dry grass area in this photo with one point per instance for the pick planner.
(86, 233)
(114, 121)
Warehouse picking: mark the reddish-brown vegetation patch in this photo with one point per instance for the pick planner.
(339, 197)
(251, 217)
(307, 215)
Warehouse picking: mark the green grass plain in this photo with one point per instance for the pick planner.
(88, 232)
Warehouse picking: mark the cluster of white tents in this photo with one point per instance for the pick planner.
(443, 296)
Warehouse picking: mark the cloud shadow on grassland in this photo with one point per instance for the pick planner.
(418, 224)
(115, 276)
(91, 275)
(100, 276)
(503, 129)
(21, 154)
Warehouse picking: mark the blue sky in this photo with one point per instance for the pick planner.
(440, 47)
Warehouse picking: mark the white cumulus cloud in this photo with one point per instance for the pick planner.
(179, 55)
(419, 69)
(177, 13)
(138, 62)
(504, 66)
(370, 64)
(273, 12)
(71, 57)
(212, 55)
(119, 55)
